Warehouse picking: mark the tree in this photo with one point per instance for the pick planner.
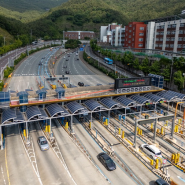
(145, 66)
(155, 68)
(136, 64)
(166, 73)
(1, 41)
(119, 58)
(179, 63)
(179, 80)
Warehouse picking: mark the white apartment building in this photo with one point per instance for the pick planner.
(118, 36)
(167, 35)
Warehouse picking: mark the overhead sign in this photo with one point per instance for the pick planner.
(147, 121)
(63, 78)
(132, 82)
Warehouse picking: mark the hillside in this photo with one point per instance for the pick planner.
(8, 37)
(27, 5)
(77, 15)
(139, 10)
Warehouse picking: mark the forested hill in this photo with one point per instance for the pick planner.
(30, 5)
(139, 10)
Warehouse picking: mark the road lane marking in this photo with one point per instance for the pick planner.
(3, 175)
(7, 167)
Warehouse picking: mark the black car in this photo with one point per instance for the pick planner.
(160, 181)
(106, 161)
(77, 59)
(80, 83)
(40, 63)
(67, 72)
(67, 59)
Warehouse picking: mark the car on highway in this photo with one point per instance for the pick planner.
(67, 59)
(160, 181)
(65, 67)
(80, 83)
(77, 59)
(67, 72)
(43, 57)
(40, 63)
(43, 144)
(106, 161)
(76, 54)
(152, 151)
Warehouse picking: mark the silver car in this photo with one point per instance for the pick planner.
(43, 143)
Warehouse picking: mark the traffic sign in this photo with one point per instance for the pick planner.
(164, 161)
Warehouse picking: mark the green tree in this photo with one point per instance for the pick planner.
(119, 58)
(136, 64)
(166, 73)
(179, 80)
(179, 63)
(155, 68)
(145, 66)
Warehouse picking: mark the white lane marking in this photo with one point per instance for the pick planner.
(3, 175)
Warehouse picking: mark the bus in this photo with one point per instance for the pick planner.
(108, 61)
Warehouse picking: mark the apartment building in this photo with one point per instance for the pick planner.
(166, 35)
(106, 32)
(135, 34)
(118, 37)
(80, 35)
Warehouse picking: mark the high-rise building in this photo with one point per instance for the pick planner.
(118, 36)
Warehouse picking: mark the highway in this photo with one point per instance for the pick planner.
(81, 169)
(117, 176)
(51, 170)
(29, 71)
(78, 72)
(119, 70)
(19, 167)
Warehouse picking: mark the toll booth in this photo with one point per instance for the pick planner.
(23, 98)
(41, 94)
(61, 92)
(4, 98)
(157, 80)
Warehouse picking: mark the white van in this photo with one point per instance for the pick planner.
(152, 151)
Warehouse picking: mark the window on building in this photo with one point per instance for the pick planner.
(169, 26)
(161, 33)
(173, 25)
(168, 32)
(130, 25)
(157, 39)
(171, 45)
(133, 39)
(180, 39)
(161, 39)
(183, 45)
(141, 34)
(160, 45)
(168, 39)
(130, 30)
(182, 24)
(133, 34)
(184, 39)
(180, 31)
(142, 28)
(133, 28)
(126, 34)
(179, 46)
(167, 45)
(158, 33)
(172, 39)
(162, 26)
(158, 27)
(157, 45)
(129, 41)
(129, 36)
(140, 45)
(140, 39)
(173, 32)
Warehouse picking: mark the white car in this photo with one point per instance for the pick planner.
(152, 151)
(64, 57)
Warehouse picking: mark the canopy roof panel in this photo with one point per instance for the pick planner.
(125, 101)
(94, 105)
(75, 107)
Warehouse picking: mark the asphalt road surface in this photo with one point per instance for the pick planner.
(79, 72)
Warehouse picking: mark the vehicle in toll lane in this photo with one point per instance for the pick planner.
(65, 67)
(80, 83)
(40, 63)
(67, 72)
(106, 161)
(43, 144)
(77, 59)
(152, 151)
(160, 181)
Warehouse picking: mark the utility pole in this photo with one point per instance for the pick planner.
(31, 35)
(4, 40)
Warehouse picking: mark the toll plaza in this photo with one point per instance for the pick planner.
(140, 104)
